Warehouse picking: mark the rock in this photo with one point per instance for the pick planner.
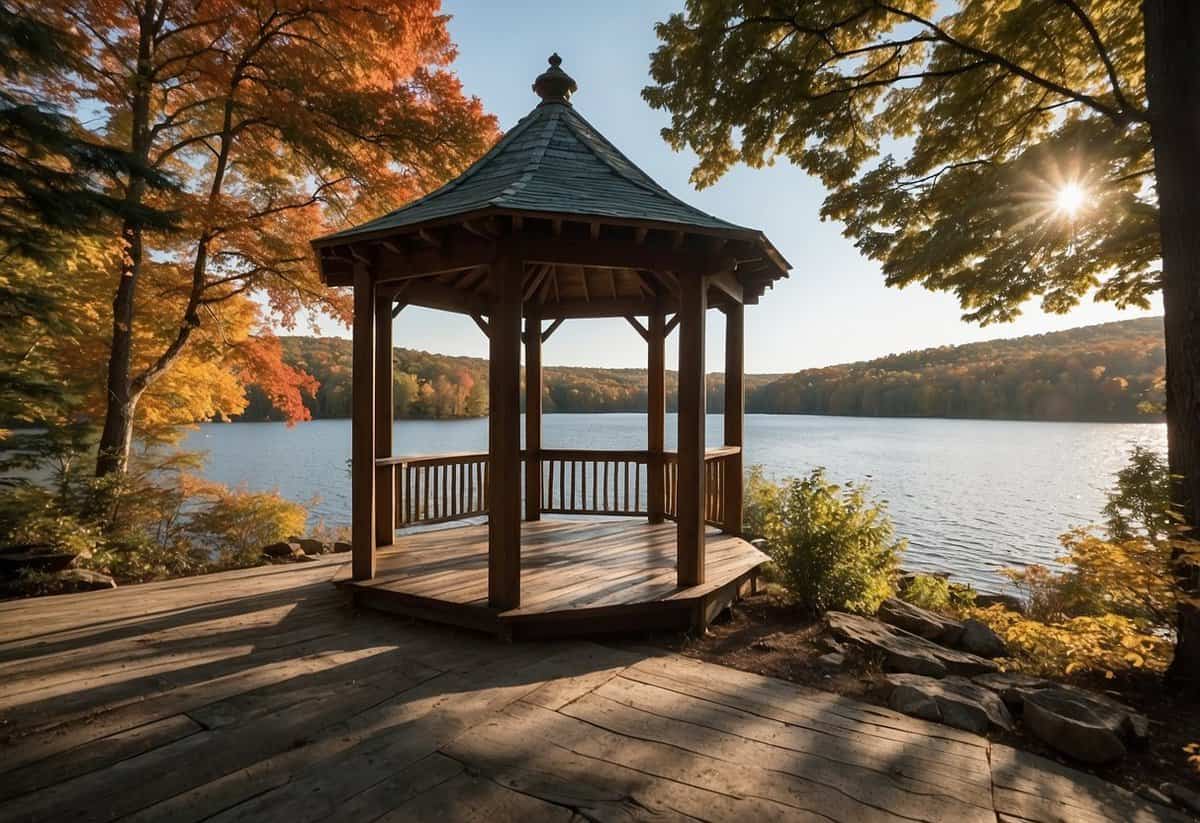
(955, 701)
(921, 622)
(283, 550)
(1012, 686)
(305, 558)
(1074, 725)
(1185, 797)
(978, 638)
(341, 547)
(827, 644)
(832, 660)
(1014, 604)
(902, 651)
(313, 546)
(83, 580)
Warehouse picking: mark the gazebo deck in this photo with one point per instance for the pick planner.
(578, 577)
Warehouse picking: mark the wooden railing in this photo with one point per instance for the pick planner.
(716, 479)
(576, 481)
(442, 487)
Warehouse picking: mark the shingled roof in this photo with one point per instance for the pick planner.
(552, 162)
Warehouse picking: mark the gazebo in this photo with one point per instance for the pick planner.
(552, 224)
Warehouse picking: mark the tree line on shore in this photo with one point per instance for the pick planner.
(1108, 372)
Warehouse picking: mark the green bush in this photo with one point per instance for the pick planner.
(929, 592)
(832, 548)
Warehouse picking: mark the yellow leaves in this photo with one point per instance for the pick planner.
(1192, 750)
(1107, 643)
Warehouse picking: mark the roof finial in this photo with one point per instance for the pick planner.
(554, 85)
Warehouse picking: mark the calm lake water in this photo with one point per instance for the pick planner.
(970, 495)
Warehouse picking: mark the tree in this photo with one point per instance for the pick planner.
(1050, 148)
(285, 118)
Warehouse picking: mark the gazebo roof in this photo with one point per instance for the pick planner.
(595, 234)
(552, 162)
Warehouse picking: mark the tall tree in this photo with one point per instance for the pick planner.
(284, 117)
(1047, 148)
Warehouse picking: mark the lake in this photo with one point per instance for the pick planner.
(970, 495)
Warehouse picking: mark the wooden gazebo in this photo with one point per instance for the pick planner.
(553, 223)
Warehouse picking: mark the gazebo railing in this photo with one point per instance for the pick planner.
(440, 488)
(579, 481)
(717, 467)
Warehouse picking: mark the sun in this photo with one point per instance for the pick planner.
(1070, 199)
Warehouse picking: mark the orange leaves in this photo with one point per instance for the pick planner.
(285, 386)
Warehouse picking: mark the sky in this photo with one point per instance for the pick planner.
(834, 308)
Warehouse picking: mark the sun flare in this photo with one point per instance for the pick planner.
(1070, 198)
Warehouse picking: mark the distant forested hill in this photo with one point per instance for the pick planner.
(1111, 372)
(1107, 372)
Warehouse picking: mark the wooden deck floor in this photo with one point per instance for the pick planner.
(576, 577)
(259, 696)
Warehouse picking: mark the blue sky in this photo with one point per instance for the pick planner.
(835, 307)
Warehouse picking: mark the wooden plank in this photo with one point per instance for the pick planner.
(504, 435)
(656, 410)
(690, 482)
(362, 452)
(533, 412)
(734, 416)
(385, 476)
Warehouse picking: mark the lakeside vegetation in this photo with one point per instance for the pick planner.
(1107, 372)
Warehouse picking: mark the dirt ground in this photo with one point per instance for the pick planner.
(765, 635)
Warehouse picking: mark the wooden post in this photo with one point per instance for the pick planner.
(689, 547)
(504, 435)
(362, 446)
(533, 415)
(735, 409)
(656, 410)
(385, 476)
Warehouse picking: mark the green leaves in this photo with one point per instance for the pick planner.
(992, 108)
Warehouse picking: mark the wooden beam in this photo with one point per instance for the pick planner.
(481, 323)
(639, 235)
(437, 296)
(671, 324)
(656, 409)
(504, 435)
(399, 307)
(385, 488)
(533, 415)
(467, 251)
(362, 438)
(601, 308)
(552, 328)
(728, 283)
(735, 409)
(638, 327)
(689, 540)
(536, 281)
(429, 237)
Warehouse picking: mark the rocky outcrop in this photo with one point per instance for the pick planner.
(921, 622)
(1012, 686)
(955, 701)
(283, 551)
(1075, 726)
(978, 638)
(902, 651)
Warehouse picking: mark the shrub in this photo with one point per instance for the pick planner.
(234, 524)
(1106, 643)
(831, 547)
(760, 497)
(929, 592)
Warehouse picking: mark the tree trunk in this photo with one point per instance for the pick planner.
(112, 455)
(117, 436)
(1173, 86)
